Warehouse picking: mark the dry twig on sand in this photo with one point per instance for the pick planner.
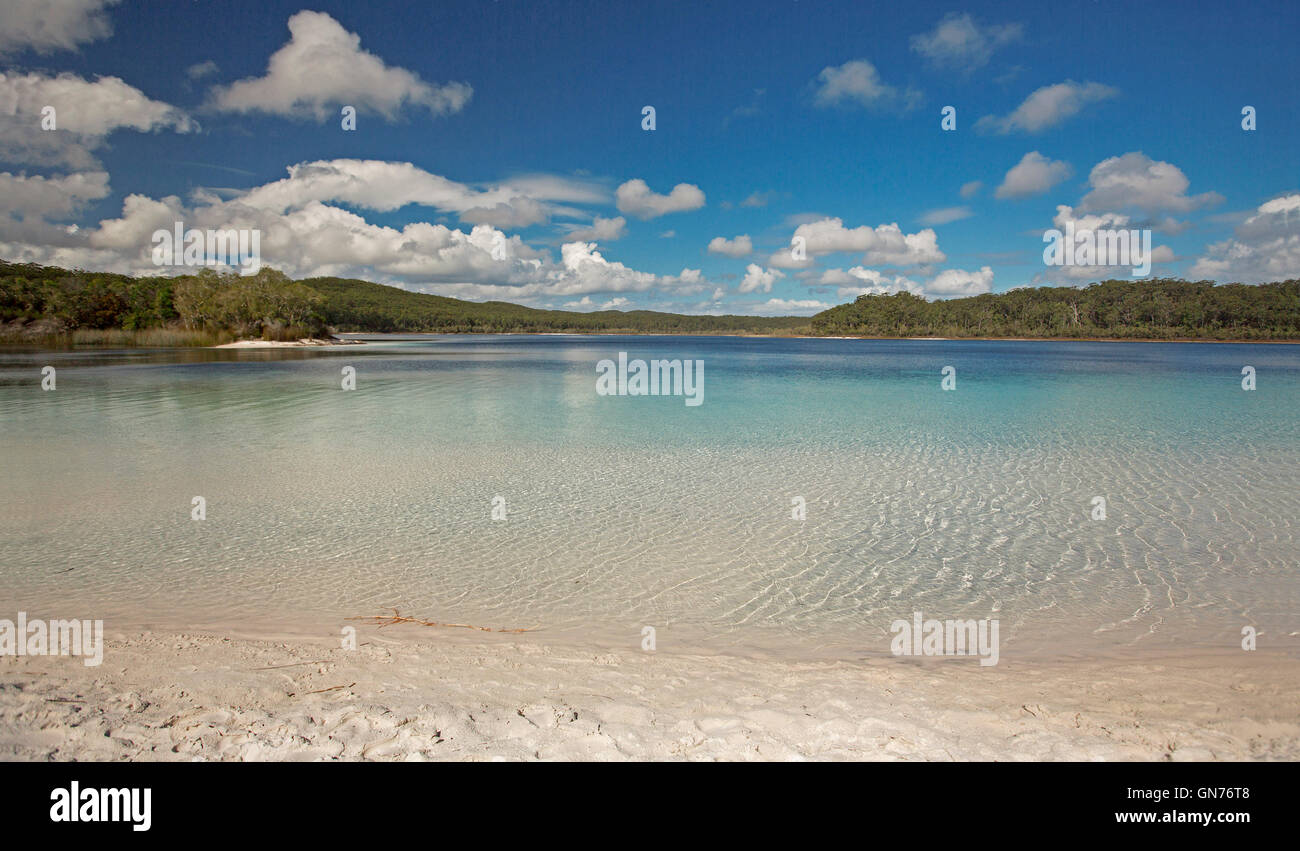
(331, 688)
(396, 617)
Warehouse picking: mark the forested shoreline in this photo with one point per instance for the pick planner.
(49, 306)
(1149, 309)
(46, 305)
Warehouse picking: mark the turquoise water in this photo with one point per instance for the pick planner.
(623, 512)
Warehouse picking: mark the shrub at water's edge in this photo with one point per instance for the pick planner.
(48, 306)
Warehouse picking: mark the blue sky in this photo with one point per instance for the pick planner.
(490, 134)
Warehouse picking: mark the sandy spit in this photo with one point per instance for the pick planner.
(409, 694)
(279, 344)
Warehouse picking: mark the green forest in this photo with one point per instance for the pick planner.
(1157, 309)
(49, 306)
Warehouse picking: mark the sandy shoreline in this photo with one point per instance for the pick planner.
(35, 343)
(413, 693)
(628, 333)
(287, 344)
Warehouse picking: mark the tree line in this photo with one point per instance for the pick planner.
(1158, 309)
(267, 305)
(45, 301)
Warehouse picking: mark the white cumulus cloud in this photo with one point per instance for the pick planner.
(884, 245)
(790, 307)
(1265, 247)
(1033, 175)
(1134, 180)
(601, 230)
(323, 67)
(1048, 107)
(383, 186)
(949, 283)
(636, 199)
(857, 83)
(759, 279)
(741, 246)
(85, 113)
(46, 25)
(960, 42)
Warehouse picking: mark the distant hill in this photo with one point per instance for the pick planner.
(352, 305)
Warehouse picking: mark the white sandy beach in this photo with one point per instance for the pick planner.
(287, 344)
(414, 693)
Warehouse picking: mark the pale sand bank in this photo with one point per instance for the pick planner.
(414, 693)
(287, 344)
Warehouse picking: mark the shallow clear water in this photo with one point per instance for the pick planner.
(631, 511)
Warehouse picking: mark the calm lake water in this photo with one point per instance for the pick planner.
(623, 512)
